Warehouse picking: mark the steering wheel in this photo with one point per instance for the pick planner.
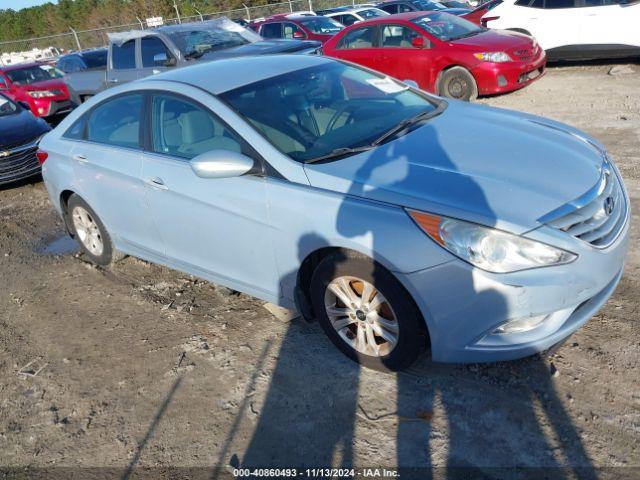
(345, 108)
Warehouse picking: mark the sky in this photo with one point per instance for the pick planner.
(20, 4)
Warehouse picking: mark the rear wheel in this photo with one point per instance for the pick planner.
(458, 83)
(89, 231)
(367, 313)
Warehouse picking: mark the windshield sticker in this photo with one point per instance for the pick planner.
(386, 85)
(46, 68)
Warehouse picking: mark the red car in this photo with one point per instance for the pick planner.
(39, 85)
(300, 27)
(442, 53)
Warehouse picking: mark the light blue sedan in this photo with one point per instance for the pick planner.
(400, 221)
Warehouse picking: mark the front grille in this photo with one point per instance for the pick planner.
(525, 54)
(599, 215)
(19, 161)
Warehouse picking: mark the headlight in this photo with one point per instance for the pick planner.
(487, 248)
(40, 94)
(495, 57)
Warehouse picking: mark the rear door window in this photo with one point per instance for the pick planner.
(124, 56)
(359, 38)
(271, 30)
(117, 121)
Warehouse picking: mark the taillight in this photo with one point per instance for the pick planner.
(487, 20)
(42, 156)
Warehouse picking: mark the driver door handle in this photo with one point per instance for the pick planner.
(80, 158)
(156, 182)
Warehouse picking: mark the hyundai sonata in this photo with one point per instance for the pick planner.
(352, 197)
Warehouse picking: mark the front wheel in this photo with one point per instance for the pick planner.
(458, 83)
(367, 313)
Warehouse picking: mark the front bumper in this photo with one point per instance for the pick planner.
(44, 107)
(463, 305)
(494, 78)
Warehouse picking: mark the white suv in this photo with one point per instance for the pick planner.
(573, 29)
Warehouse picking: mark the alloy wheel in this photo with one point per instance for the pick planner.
(88, 231)
(361, 316)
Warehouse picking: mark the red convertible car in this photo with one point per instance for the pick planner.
(442, 53)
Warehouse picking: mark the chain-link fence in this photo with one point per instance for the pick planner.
(83, 39)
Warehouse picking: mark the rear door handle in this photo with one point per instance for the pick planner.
(156, 182)
(80, 158)
(113, 80)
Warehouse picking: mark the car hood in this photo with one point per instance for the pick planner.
(495, 40)
(490, 166)
(265, 47)
(20, 128)
(53, 84)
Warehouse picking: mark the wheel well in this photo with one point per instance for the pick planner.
(64, 200)
(309, 264)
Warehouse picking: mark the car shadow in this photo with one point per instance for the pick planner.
(453, 421)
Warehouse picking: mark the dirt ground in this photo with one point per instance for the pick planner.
(138, 366)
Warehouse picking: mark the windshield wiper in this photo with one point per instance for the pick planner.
(344, 151)
(340, 152)
(401, 126)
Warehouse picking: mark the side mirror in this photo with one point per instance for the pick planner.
(411, 83)
(24, 105)
(419, 42)
(221, 164)
(162, 60)
(299, 35)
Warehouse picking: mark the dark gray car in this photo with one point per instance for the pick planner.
(84, 73)
(141, 53)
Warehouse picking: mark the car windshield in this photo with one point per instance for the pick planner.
(317, 111)
(427, 5)
(33, 74)
(96, 59)
(447, 27)
(321, 25)
(7, 107)
(371, 13)
(194, 40)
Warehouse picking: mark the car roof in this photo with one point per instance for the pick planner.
(19, 66)
(223, 75)
(406, 16)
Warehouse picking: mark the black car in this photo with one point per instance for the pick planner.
(20, 132)
(402, 6)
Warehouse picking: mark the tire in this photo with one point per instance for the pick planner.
(89, 231)
(397, 311)
(457, 83)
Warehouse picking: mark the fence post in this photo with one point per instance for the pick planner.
(177, 11)
(75, 35)
(290, 6)
(248, 12)
(198, 12)
(310, 6)
(140, 22)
